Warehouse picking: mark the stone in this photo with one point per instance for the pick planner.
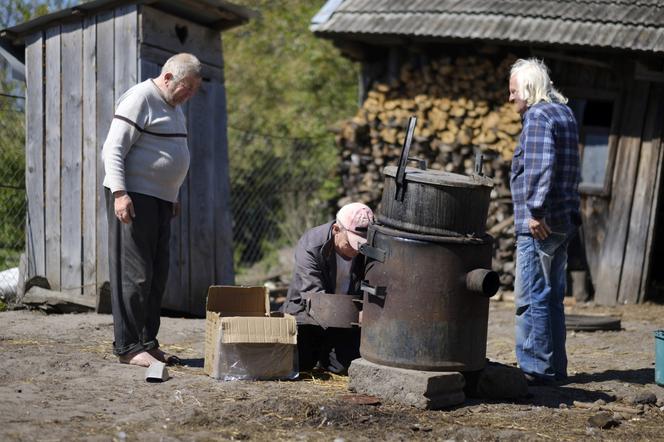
(422, 389)
(498, 381)
(603, 420)
(645, 397)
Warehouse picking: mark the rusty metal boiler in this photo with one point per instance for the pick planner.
(428, 278)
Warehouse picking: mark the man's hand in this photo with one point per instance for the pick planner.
(539, 228)
(176, 209)
(124, 208)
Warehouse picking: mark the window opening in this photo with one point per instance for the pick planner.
(594, 119)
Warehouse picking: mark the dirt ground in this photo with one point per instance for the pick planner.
(59, 381)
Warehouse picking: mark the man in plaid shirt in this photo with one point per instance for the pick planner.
(544, 181)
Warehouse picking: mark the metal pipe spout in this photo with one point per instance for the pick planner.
(483, 282)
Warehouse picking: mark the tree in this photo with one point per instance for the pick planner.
(285, 89)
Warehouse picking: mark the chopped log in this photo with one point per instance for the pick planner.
(54, 300)
(498, 228)
(607, 407)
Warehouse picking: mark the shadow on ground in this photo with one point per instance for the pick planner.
(546, 396)
(195, 363)
(641, 376)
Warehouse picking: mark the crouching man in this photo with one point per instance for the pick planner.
(327, 261)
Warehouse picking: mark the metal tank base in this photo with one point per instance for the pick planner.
(426, 300)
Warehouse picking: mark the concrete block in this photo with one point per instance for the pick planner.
(156, 372)
(422, 389)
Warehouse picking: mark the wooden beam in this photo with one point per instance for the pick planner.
(607, 281)
(72, 158)
(53, 155)
(644, 73)
(34, 155)
(90, 149)
(572, 59)
(639, 218)
(126, 50)
(658, 146)
(38, 295)
(105, 97)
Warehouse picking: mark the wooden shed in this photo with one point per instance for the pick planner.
(606, 55)
(78, 61)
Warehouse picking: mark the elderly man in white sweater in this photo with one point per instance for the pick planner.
(146, 159)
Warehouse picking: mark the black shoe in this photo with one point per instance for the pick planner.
(536, 381)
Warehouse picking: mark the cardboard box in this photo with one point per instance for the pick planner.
(242, 340)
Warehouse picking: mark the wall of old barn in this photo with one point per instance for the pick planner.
(443, 85)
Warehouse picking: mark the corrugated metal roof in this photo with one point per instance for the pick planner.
(620, 24)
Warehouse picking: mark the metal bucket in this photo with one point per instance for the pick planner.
(426, 300)
(659, 357)
(333, 310)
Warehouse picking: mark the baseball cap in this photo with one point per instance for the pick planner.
(355, 219)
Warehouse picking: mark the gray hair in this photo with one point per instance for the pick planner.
(182, 65)
(533, 82)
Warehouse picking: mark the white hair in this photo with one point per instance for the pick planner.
(182, 65)
(533, 82)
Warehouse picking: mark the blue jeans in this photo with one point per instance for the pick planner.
(540, 315)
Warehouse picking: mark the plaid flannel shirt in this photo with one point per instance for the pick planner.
(545, 169)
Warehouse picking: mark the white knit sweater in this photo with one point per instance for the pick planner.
(146, 147)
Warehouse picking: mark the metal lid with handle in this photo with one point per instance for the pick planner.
(434, 177)
(403, 159)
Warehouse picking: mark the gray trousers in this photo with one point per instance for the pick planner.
(138, 261)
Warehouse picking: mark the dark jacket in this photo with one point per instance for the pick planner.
(316, 270)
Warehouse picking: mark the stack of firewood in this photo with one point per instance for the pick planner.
(461, 108)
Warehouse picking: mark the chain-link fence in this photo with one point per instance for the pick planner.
(12, 191)
(278, 191)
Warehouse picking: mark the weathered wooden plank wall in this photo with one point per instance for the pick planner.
(174, 34)
(76, 112)
(126, 51)
(159, 56)
(90, 158)
(105, 97)
(72, 158)
(53, 156)
(656, 204)
(635, 261)
(607, 279)
(34, 152)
